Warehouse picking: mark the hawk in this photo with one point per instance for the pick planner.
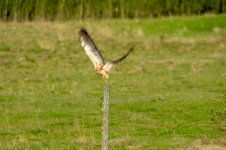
(95, 56)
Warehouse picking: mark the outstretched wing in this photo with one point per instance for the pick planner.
(109, 65)
(90, 48)
(123, 57)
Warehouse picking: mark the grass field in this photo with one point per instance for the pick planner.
(170, 93)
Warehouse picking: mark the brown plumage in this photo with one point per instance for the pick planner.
(95, 56)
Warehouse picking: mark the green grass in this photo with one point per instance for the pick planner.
(168, 94)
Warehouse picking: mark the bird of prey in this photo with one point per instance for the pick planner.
(95, 56)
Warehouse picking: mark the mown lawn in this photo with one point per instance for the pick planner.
(170, 93)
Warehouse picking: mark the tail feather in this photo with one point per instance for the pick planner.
(123, 57)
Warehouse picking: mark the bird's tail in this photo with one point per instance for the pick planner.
(124, 56)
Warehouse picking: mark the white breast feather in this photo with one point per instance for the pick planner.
(108, 66)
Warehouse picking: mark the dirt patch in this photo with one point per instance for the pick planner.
(203, 144)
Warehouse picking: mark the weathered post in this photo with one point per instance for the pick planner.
(105, 119)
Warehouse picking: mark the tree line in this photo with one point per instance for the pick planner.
(28, 10)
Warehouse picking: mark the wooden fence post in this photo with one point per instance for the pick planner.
(105, 119)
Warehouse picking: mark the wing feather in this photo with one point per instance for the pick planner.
(110, 64)
(90, 48)
(123, 57)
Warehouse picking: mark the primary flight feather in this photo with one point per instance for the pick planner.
(95, 56)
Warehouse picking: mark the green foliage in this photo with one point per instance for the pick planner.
(20, 10)
(168, 94)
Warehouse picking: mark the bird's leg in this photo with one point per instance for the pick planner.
(101, 72)
(104, 74)
(98, 70)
